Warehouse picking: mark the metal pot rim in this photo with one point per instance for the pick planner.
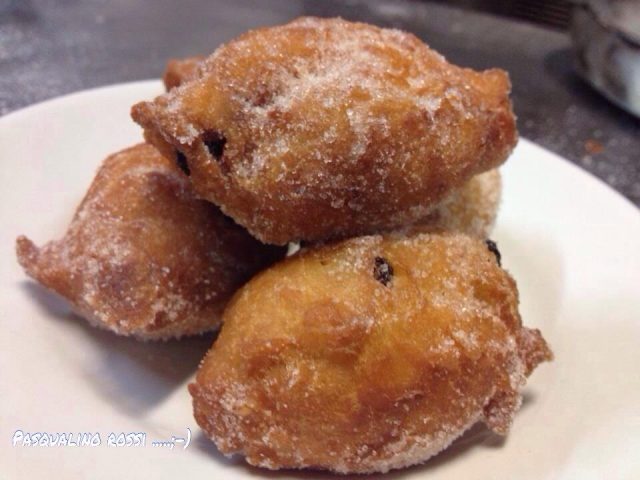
(602, 13)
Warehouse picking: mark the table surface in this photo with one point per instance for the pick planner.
(49, 48)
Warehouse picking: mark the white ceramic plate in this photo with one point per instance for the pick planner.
(572, 244)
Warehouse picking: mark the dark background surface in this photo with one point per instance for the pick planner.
(49, 48)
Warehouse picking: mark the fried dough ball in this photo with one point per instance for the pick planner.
(179, 71)
(143, 256)
(470, 209)
(324, 128)
(367, 355)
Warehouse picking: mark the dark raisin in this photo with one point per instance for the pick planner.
(382, 271)
(215, 142)
(181, 161)
(493, 248)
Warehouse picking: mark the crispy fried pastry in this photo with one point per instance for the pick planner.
(367, 355)
(179, 71)
(324, 128)
(470, 209)
(143, 256)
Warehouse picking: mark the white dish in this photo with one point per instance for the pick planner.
(572, 244)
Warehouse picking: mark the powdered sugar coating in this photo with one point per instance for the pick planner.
(143, 256)
(320, 365)
(471, 208)
(332, 128)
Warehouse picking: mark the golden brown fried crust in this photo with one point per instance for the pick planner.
(143, 256)
(179, 71)
(367, 355)
(471, 208)
(324, 128)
